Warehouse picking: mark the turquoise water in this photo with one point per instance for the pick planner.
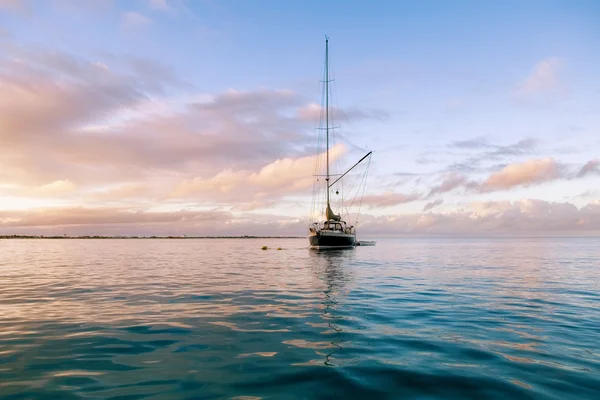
(196, 319)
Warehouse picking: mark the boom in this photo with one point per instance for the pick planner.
(351, 168)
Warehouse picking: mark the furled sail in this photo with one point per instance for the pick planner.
(330, 215)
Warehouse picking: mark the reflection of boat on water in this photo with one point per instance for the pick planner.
(330, 231)
(331, 269)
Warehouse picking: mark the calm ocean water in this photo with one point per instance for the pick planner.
(195, 319)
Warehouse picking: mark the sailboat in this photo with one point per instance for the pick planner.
(330, 231)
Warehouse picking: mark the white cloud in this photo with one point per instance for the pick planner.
(57, 188)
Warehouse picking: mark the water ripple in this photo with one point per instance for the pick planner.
(181, 319)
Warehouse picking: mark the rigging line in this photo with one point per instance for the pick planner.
(356, 179)
(354, 184)
(363, 194)
(361, 176)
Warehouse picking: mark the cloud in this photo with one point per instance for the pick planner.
(161, 5)
(102, 216)
(523, 174)
(278, 178)
(128, 221)
(13, 5)
(519, 174)
(433, 204)
(105, 127)
(125, 192)
(452, 181)
(388, 199)
(522, 147)
(16, 196)
(527, 216)
(106, 123)
(590, 194)
(132, 20)
(475, 143)
(47, 97)
(482, 152)
(56, 188)
(591, 167)
(543, 78)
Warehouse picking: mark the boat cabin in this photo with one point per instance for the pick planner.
(332, 226)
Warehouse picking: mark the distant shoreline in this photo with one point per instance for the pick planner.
(144, 237)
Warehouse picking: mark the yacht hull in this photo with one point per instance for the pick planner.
(326, 240)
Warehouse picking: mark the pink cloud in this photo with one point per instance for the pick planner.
(523, 174)
(55, 124)
(527, 216)
(278, 178)
(520, 217)
(544, 77)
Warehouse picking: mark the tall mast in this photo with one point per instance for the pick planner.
(327, 109)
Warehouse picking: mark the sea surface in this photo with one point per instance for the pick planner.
(223, 319)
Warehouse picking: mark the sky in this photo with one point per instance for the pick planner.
(197, 117)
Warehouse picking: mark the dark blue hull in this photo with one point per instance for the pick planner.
(332, 241)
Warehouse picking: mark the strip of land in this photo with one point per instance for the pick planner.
(144, 237)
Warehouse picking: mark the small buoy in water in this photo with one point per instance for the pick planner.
(279, 248)
(264, 247)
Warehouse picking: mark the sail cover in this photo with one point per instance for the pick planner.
(330, 215)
